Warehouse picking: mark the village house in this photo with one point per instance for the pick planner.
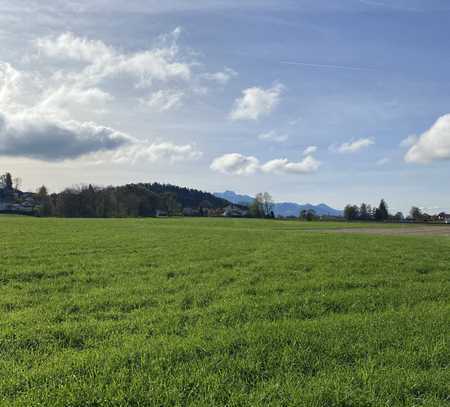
(192, 212)
(15, 201)
(235, 211)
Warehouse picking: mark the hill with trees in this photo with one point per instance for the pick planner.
(131, 200)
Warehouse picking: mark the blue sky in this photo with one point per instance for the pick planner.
(313, 101)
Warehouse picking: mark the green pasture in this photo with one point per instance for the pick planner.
(220, 312)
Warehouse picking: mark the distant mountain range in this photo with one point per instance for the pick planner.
(281, 208)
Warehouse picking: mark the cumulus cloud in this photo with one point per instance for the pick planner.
(64, 98)
(223, 77)
(256, 103)
(145, 151)
(102, 61)
(238, 164)
(33, 136)
(16, 87)
(9, 83)
(69, 46)
(37, 137)
(48, 111)
(309, 150)
(409, 141)
(69, 80)
(279, 166)
(89, 66)
(355, 145)
(432, 145)
(164, 100)
(273, 136)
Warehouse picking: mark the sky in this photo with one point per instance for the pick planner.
(313, 101)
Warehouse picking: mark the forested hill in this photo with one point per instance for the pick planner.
(188, 197)
(144, 199)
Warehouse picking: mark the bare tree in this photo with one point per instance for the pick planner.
(6, 181)
(17, 182)
(262, 206)
(268, 204)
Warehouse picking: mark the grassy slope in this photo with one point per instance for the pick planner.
(220, 312)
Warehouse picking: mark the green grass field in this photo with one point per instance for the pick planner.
(214, 312)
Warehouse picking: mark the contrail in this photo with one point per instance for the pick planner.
(374, 3)
(351, 68)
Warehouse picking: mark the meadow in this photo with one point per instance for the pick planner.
(215, 312)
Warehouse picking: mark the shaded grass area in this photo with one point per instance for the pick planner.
(220, 312)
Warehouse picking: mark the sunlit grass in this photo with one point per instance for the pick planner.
(220, 312)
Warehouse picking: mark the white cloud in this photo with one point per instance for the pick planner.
(278, 166)
(409, 141)
(256, 103)
(48, 111)
(34, 136)
(44, 138)
(64, 98)
(102, 61)
(86, 67)
(158, 64)
(223, 77)
(355, 145)
(69, 46)
(9, 83)
(310, 150)
(145, 151)
(16, 87)
(235, 163)
(273, 136)
(70, 77)
(238, 164)
(432, 145)
(164, 100)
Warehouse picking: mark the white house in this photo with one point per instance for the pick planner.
(17, 201)
(235, 211)
(444, 217)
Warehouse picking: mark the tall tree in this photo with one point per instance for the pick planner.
(7, 181)
(363, 212)
(257, 206)
(399, 216)
(351, 212)
(268, 204)
(308, 214)
(382, 212)
(416, 213)
(45, 204)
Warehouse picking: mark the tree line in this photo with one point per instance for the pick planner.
(365, 212)
(132, 200)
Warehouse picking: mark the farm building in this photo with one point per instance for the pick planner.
(235, 211)
(15, 201)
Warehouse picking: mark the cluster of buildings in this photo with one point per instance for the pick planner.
(15, 201)
(230, 211)
(444, 217)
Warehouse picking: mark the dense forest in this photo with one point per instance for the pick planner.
(126, 201)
